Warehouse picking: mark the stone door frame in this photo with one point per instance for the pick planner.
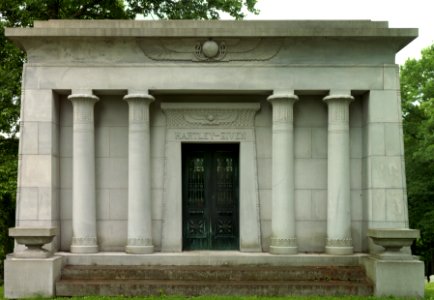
(211, 123)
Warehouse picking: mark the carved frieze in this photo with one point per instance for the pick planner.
(211, 50)
(210, 115)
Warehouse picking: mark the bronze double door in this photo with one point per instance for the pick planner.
(210, 196)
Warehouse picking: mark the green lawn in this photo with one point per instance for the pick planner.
(429, 295)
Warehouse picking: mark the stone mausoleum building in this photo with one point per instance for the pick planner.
(150, 143)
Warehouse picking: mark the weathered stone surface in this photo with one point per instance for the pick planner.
(314, 177)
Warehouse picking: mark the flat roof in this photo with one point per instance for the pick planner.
(194, 28)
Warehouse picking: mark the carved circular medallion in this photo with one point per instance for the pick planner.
(210, 49)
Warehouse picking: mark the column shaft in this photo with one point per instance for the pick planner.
(283, 240)
(139, 175)
(84, 237)
(339, 239)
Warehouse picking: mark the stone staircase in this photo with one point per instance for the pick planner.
(81, 280)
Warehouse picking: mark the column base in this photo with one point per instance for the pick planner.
(283, 246)
(339, 250)
(84, 245)
(131, 249)
(84, 249)
(283, 250)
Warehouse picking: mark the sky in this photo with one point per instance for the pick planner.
(399, 13)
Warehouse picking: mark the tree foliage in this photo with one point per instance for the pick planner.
(22, 13)
(417, 93)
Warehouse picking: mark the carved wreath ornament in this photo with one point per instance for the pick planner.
(210, 50)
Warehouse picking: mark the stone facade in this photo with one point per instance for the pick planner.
(313, 105)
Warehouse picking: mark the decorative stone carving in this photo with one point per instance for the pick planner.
(192, 115)
(393, 240)
(33, 239)
(231, 49)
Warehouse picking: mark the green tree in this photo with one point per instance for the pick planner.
(22, 13)
(417, 93)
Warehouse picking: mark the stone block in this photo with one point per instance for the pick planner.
(396, 278)
(263, 142)
(29, 138)
(377, 204)
(111, 110)
(357, 235)
(375, 139)
(102, 142)
(66, 172)
(102, 204)
(118, 205)
(391, 77)
(111, 173)
(356, 115)
(387, 172)
(356, 205)
(65, 111)
(48, 204)
(265, 202)
(157, 172)
(65, 235)
(393, 138)
(157, 204)
(384, 106)
(319, 142)
(356, 173)
(302, 142)
(264, 173)
(319, 205)
(303, 205)
(118, 142)
(48, 138)
(31, 278)
(157, 117)
(65, 141)
(65, 204)
(27, 203)
(112, 235)
(356, 142)
(264, 117)
(311, 173)
(38, 105)
(396, 205)
(311, 236)
(37, 170)
(310, 111)
(158, 141)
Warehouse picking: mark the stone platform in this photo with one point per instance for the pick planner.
(212, 273)
(210, 258)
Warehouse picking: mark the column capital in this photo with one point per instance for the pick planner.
(139, 96)
(338, 98)
(282, 96)
(89, 97)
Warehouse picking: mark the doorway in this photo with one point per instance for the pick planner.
(210, 196)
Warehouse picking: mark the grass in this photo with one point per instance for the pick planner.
(429, 295)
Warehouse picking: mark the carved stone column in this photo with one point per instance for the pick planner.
(139, 175)
(283, 240)
(83, 181)
(339, 239)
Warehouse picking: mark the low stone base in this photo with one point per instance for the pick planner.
(398, 278)
(339, 250)
(139, 249)
(31, 277)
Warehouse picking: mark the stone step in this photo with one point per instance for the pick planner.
(81, 280)
(199, 288)
(213, 273)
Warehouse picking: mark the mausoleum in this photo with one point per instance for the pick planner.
(211, 143)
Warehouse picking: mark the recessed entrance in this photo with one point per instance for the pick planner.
(210, 196)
